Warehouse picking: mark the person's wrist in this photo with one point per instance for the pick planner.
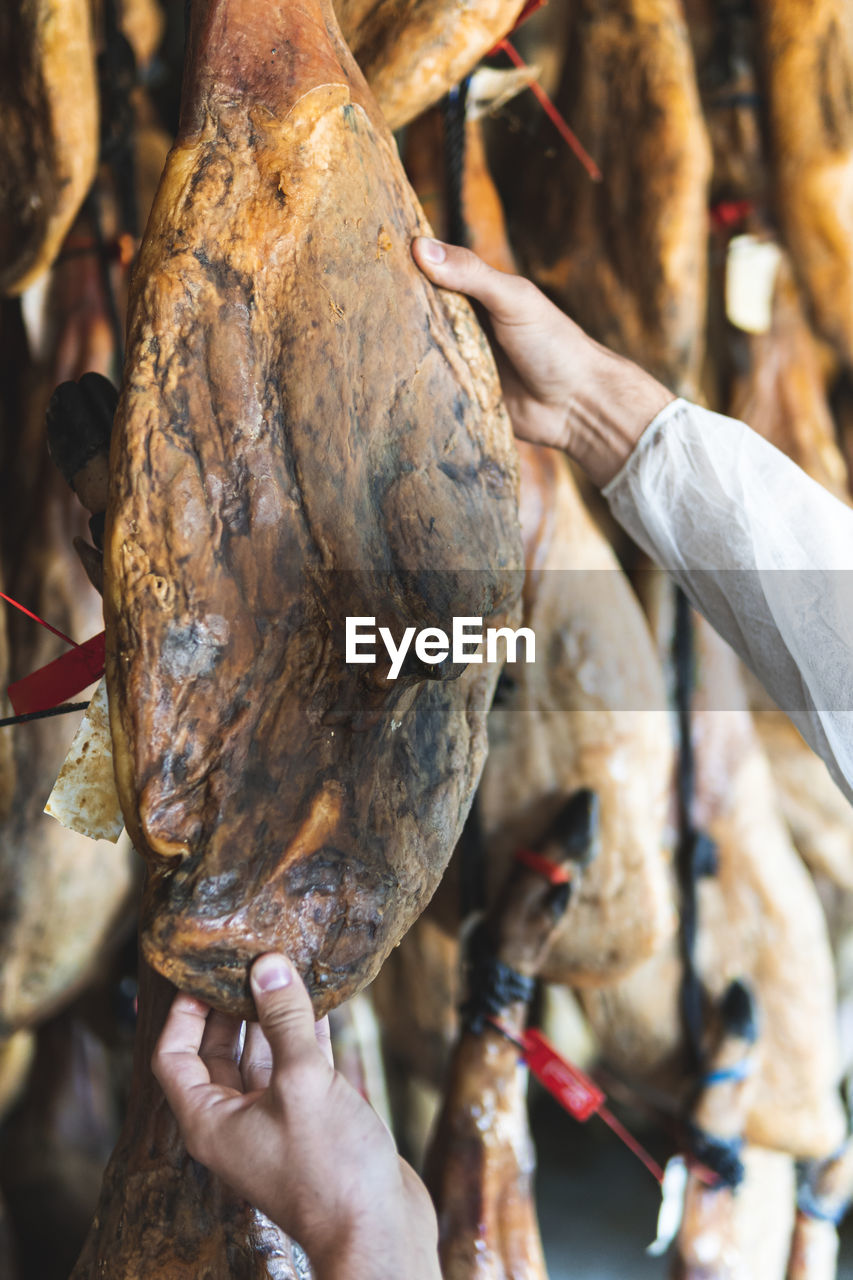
(359, 1250)
(357, 1259)
(611, 404)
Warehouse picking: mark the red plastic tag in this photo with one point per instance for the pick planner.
(573, 1090)
(728, 213)
(543, 866)
(60, 679)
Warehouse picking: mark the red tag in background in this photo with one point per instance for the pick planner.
(55, 683)
(552, 871)
(580, 1096)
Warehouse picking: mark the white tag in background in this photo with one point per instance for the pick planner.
(673, 1190)
(751, 269)
(84, 796)
(490, 89)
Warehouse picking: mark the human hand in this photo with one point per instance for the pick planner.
(561, 388)
(286, 1132)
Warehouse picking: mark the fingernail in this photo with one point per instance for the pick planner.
(433, 250)
(271, 973)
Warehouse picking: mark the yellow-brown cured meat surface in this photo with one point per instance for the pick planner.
(807, 54)
(307, 430)
(48, 131)
(626, 257)
(760, 920)
(413, 51)
(590, 712)
(63, 897)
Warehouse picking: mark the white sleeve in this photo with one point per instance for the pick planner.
(763, 551)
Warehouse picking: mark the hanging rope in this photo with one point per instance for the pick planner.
(118, 77)
(696, 853)
(472, 864)
(453, 117)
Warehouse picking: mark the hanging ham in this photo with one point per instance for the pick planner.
(807, 56)
(63, 897)
(413, 53)
(48, 131)
(625, 257)
(307, 431)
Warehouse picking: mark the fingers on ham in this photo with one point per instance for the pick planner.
(158, 1207)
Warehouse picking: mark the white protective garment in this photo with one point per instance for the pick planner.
(763, 551)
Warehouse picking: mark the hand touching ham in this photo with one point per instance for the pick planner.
(561, 388)
(289, 1134)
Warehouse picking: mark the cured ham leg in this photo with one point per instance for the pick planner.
(307, 431)
(707, 1247)
(49, 133)
(412, 53)
(633, 276)
(56, 1143)
(825, 1192)
(817, 813)
(590, 712)
(480, 1167)
(162, 1215)
(759, 919)
(416, 995)
(807, 48)
(63, 898)
(782, 391)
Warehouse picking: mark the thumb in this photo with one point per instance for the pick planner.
(284, 1009)
(453, 267)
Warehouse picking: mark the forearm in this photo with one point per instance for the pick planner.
(612, 403)
(373, 1261)
(765, 554)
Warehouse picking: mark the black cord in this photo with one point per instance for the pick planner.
(117, 78)
(93, 208)
(492, 985)
(118, 125)
(472, 864)
(453, 109)
(695, 851)
(721, 1155)
(63, 709)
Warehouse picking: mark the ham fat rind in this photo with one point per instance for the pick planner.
(307, 430)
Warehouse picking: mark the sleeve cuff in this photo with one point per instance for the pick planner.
(645, 442)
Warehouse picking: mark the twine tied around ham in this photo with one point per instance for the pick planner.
(492, 984)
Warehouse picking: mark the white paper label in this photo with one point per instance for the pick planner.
(751, 269)
(84, 796)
